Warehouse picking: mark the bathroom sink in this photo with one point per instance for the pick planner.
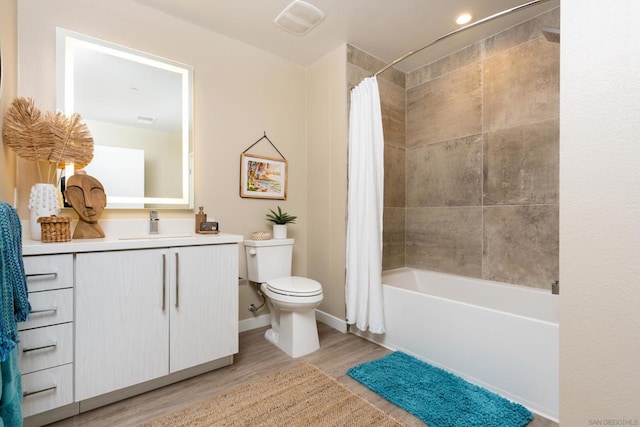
(156, 236)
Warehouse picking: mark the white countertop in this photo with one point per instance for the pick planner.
(130, 234)
(34, 247)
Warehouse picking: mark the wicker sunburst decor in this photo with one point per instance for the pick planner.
(52, 137)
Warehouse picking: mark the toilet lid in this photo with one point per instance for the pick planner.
(295, 286)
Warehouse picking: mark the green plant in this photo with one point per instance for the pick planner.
(280, 217)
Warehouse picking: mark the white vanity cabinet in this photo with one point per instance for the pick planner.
(46, 340)
(203, 309)
(115, 317)
(144, 314)
(122, 332)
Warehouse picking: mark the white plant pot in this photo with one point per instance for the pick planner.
(43, 201)
(279, 231)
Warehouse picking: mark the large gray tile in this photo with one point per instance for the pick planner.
(551, 18)
(521, 85)
(521, 164)
(371, 65)
(456, 60)
(521, 33)
(363, 60)
(393, 238)
(521, 245)
(394, 176)
(448, 240)
(354, 76)
(392, 105)
(445, 108)
(445, 174)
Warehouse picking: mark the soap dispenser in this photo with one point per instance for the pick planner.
(200, 217)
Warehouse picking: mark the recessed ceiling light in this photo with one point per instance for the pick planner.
(299, 17)
(463, 18)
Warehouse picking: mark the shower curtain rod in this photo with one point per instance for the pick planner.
(459, 30)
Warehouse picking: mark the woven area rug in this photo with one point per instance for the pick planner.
(299, 396)
(436, 396)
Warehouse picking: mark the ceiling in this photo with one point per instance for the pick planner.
(386, 29)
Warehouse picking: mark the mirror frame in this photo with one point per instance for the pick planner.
(66, 41)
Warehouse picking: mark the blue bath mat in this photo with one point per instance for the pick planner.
(436, 396)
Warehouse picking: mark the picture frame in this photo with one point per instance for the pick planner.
(263, 177)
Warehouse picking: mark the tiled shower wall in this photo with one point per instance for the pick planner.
(471, 158)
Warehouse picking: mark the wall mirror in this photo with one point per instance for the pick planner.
(139, 109)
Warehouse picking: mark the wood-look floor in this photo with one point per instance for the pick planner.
(257, 357)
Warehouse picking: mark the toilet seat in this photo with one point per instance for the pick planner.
(294, 286)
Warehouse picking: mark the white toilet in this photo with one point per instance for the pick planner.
(291, 299)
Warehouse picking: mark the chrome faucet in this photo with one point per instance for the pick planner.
(153, 222)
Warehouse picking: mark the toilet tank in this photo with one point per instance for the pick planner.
(268, 259)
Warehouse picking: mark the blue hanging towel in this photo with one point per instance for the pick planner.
(11, 392)
(14, 299)
(14, 307)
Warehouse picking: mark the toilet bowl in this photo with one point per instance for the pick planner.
(293, 316)
(292, 300)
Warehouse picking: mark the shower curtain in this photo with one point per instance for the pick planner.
(364, 209)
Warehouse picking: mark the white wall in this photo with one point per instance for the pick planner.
(239, 91)
(600, 213)
(327, 176)
(8, 90)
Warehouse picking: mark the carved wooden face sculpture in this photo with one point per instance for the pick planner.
(87, 198)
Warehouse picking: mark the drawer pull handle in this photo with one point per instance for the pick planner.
(164, 281)
(44, 347)
(31, 393)
(42, 275)
(177, 281)
(45, 310)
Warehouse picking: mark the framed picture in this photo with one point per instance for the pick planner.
(263, 177)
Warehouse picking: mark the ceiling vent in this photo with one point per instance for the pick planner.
(144, 120)
(299, 17)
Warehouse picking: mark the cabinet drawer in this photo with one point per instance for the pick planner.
(49, 308)
(47, 347)
(45, 272)
(48, 389)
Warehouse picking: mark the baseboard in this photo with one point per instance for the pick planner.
(254, 323)
(336, 323)
(265, 320)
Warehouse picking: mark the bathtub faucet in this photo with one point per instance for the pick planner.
(555, 288)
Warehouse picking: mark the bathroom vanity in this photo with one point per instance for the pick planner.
(116, 317)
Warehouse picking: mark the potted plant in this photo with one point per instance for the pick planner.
(280, 220)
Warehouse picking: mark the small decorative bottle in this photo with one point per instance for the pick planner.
(200, 218)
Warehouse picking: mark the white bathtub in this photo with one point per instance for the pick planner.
(499, 336)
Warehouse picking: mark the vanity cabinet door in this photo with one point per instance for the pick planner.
(204, 304)
(122, 319)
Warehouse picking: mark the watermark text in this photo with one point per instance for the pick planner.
(614, 422)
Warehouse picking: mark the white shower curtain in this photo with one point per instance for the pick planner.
(364, 215)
